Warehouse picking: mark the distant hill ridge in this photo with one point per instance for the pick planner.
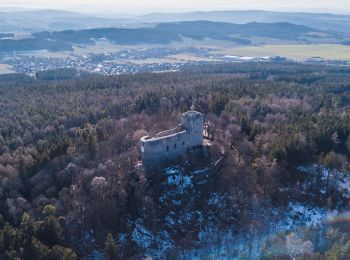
(323, 21)
(39, 20)
(17, 19)
(165, 33)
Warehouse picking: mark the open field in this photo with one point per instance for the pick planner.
(326, 51)
(294, 51)
(4, 69)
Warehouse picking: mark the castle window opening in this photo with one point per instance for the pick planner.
(174, 146)
(167, 148)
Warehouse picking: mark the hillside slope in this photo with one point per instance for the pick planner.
(237, 34)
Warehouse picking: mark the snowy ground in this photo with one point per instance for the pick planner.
(250, 243)
(338, 179)
(181, 196)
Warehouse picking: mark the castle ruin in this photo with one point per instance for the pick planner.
(171, 144)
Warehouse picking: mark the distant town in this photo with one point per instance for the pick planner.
(134, 61)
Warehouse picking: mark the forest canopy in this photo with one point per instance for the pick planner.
(68, 148)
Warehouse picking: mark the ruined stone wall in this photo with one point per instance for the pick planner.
(160, 149)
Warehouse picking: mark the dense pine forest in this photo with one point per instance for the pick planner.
(69, 188)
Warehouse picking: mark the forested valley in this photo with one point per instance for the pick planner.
(70, 188)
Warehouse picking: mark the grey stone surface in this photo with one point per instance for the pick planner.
(171, 144)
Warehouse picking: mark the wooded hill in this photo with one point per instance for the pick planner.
(68, 150)
(165, 33)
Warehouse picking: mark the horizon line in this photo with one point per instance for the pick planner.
(177, 11)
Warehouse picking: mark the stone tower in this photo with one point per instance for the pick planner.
(192, 121)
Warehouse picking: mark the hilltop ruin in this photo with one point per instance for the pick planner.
(171, 144)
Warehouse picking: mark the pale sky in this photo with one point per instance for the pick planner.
(144, 6)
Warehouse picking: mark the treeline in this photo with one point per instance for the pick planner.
(62, 74)
(330, 241)
(33, 44)
(7, 35)
(167, 32)
(72, 145)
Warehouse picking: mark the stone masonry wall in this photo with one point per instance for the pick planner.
(156, 151)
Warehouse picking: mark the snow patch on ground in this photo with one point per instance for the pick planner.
(180, 195)
(173, 170)
(249, 243)
(300, 214)
(154, 245)
(338, 179)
